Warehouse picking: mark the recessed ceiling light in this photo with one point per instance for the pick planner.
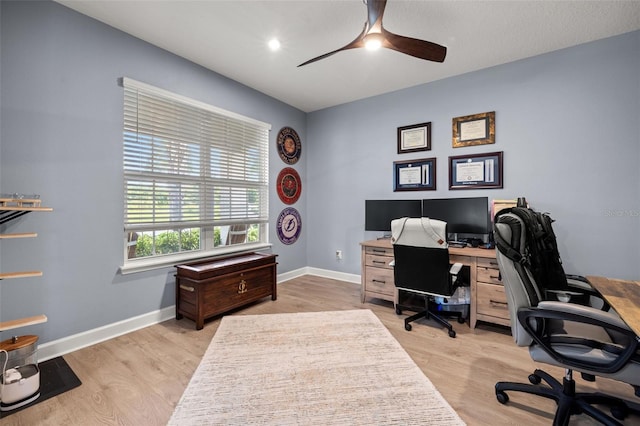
(274, 44)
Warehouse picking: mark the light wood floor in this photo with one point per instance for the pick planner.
(137, 379)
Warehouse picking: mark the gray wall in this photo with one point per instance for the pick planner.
(61, 137)
(568, 123)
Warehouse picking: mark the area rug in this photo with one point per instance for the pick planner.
(313, 368)
(56, 377)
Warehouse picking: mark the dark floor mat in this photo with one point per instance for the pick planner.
(56, 377)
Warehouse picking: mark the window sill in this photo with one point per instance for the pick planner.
(142, 265)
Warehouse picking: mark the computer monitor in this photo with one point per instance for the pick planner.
(378, 214)
(463, 215)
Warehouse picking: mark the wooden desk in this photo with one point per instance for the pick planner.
(488, 300)
(623, 296)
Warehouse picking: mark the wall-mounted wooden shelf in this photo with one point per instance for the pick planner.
(21, 235)
(21, 274)
(22, 322)
(8, 213)
(10, 209)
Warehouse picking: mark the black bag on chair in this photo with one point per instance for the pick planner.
(541, 255)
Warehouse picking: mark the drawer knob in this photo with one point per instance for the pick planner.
(242, 287)
(187, 288)
(379, 281)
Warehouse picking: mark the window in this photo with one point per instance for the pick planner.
(195, 178)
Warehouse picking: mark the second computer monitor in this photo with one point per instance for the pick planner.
(463, 215)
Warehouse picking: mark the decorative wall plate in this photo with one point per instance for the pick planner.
(289, 146)
(289, 185)
(289, 225)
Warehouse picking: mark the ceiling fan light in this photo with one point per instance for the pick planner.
(373, 41)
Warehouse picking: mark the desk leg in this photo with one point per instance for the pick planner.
(362, 273)
(473, 278)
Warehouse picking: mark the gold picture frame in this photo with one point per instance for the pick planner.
(476, 129)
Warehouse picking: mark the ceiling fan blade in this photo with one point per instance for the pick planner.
(414, 47)
(358, 42)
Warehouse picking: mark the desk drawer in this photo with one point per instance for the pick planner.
(491, 300)
(379, 251)
(487, 263)
(488, 275)
(379, 280)
(378, 261)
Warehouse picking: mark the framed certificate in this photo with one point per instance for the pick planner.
(414, 175)
(416, 137)
(476, 171)
(477, 129)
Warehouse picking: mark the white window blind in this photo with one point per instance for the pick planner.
(188, 164)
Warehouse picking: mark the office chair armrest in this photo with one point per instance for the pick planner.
(580, 282)
(455, 268)
(533, 321)
(609, 318)
(563, 295)
(579, 291)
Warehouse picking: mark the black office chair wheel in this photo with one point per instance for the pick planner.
(398, 310)
(407, 327)
(534, 379)
(452, 333)
(620, 412)
(461, 320)
(502, 397)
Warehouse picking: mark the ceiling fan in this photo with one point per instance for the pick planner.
(374, 35)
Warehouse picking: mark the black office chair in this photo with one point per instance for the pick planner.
(421, 266)
(572, 336)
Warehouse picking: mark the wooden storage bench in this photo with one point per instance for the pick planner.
(211, 287)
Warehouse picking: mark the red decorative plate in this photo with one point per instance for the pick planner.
(289, 185)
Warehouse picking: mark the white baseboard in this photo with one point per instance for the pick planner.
(334, 275)
(78, 341)
(326, 273)
(291, 275)
(91, 337)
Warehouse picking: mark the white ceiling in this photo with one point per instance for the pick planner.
(230, 38)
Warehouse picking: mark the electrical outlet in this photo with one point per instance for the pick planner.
(338, 254)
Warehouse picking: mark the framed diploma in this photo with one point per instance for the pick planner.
(477, 129)
(416, 137)
(476, 171)
(414, 175)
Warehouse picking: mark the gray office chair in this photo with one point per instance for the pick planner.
(576, 337)
(421, 266)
